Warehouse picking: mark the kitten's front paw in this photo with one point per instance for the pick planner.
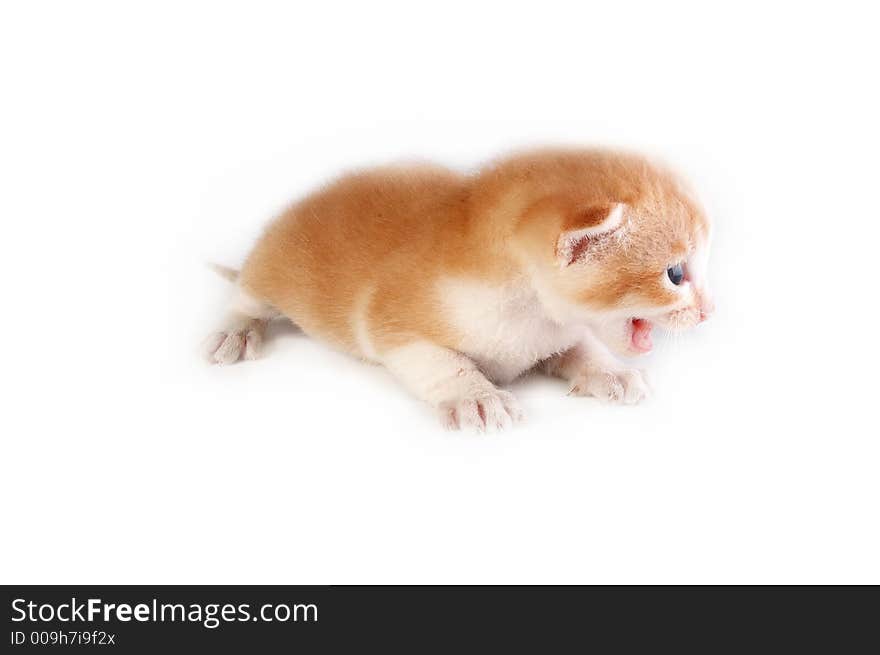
(619, 385)
(493, 410)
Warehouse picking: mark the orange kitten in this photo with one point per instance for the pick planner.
(459, 283)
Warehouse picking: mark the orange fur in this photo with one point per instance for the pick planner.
(361, 263)
(394, 231)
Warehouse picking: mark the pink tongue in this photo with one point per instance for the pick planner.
(641, 337)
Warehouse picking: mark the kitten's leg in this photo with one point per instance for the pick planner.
(242, 332)
(592, 370)
(452, 383)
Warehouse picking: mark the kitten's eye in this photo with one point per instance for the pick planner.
(676, 274)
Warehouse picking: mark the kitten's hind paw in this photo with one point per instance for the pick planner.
(228, 346)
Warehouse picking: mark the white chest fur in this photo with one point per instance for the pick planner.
(505, 330)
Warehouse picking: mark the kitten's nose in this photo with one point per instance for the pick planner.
(706, 308)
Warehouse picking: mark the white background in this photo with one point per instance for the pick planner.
(140, 140)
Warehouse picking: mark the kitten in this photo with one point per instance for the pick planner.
(458, 283)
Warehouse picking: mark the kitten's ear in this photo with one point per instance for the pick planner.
(587, 230)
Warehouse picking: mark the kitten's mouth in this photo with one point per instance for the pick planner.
(640, 338)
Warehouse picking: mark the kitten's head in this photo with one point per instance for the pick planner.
(619, 243)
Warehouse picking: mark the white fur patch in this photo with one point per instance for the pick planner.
(505, 330)
(360, 327)
(245, 304)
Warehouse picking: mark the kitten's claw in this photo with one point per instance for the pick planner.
(493, 411)
(625, 386)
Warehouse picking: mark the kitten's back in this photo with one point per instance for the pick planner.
(360, 234)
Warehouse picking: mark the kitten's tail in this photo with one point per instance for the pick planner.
(230, 274)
